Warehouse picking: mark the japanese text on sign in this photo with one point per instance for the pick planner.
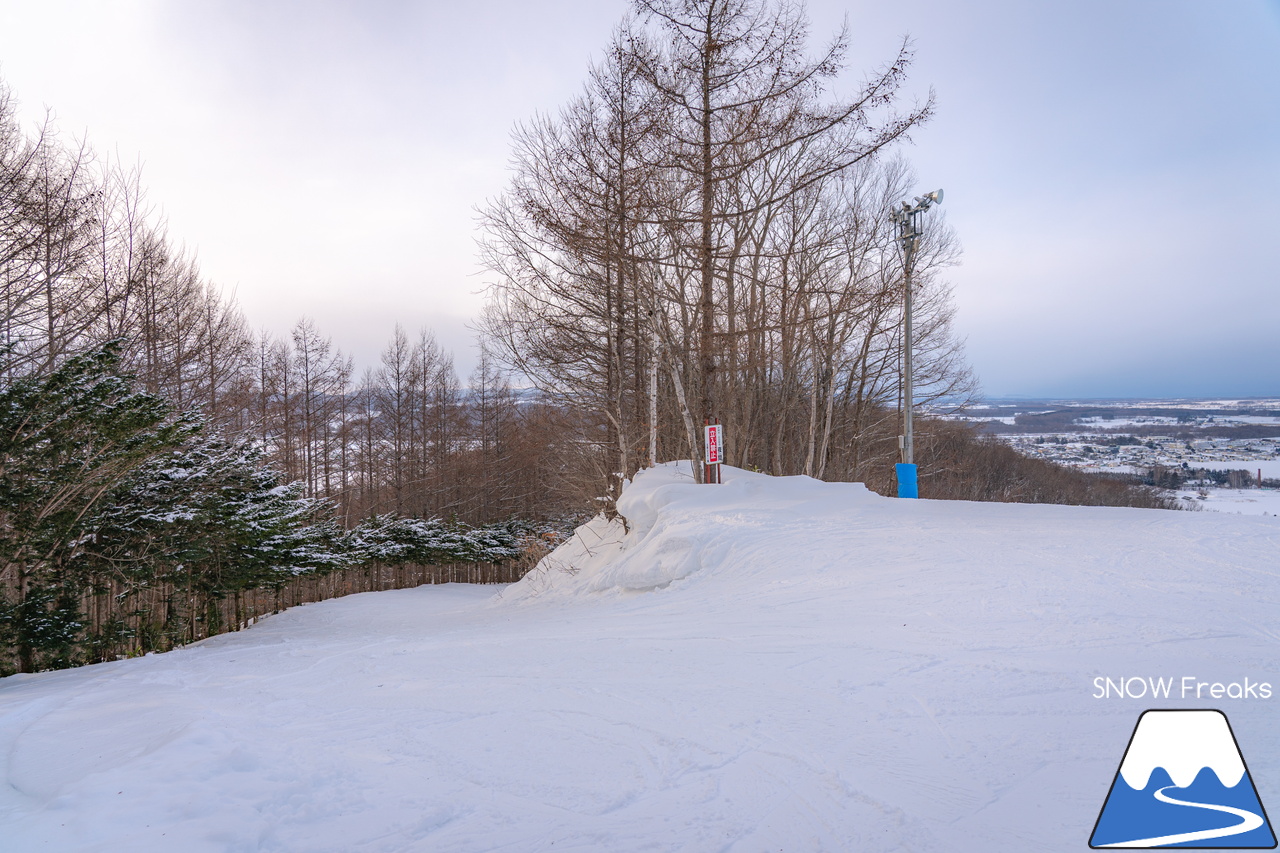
(713, 444)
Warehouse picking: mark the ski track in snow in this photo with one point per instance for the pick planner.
(772, 664)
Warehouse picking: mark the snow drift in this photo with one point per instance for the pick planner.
(770, 664)
(671, 528)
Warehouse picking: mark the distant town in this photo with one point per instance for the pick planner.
(1209, 451)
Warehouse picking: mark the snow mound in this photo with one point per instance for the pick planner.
(671, 527)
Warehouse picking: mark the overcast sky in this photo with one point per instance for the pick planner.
(1112, 168)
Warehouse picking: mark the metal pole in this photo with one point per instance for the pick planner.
(908, 447)
(908, 222)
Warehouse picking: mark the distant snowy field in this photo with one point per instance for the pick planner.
(1237, 501)
(771, 664)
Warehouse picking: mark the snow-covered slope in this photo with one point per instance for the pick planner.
(771, 664)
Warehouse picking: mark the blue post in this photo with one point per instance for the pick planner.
(907, 487)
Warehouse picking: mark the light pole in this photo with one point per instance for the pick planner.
(907, 218)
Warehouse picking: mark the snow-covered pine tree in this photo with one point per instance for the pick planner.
(391, 540)
(67, 439)
(208, 520)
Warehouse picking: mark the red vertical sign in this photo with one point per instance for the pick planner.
(713, 443)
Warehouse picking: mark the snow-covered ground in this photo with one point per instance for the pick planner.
(771, 664)
(1238, 501)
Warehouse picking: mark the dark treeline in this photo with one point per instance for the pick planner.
(1177, 477)
(1205, 431)
(964, 465)
(127, 524)
(158, 459)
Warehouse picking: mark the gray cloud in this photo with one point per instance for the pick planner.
(1110, 168)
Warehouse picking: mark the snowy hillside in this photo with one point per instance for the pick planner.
(771, 664)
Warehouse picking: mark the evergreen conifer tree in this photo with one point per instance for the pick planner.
(67, 439)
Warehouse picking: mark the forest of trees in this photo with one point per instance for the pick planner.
(84, 261)
(149, 440)
(704, 232)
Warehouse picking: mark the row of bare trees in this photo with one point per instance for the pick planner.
(406, 437)
(84, 260)
(703, 232)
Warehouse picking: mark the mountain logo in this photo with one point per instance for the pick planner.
(1183, 783)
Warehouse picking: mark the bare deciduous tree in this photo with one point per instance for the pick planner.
(703, 232)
